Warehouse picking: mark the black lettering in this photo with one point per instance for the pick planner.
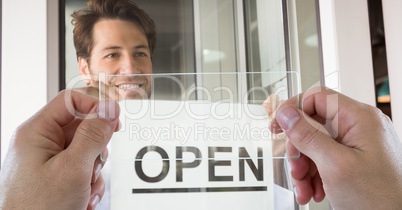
(212, 163)
(179, 160)
(138, 164)
(258, 172)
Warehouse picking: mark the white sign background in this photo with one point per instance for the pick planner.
(174, 124)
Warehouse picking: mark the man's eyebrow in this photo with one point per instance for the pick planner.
(111, 48)
(115, 47)
(141, 47)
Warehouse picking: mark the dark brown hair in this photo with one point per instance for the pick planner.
(85, 19)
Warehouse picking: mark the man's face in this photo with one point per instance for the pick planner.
(120, 48)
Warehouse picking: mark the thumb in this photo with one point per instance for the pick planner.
(307, 135)
(93, 134)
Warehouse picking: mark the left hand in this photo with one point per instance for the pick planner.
(53, 160)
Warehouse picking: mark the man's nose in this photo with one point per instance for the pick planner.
(129, 66)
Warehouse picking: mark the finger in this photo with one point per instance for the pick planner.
(89, 90)
(68, 105)
(318, 100)
(312, 168)
(303, 190)
(274, 127)
(300, 167)
(319, 193)
(97, 192)
(331, 107)
(291, 151)
(308, 136)
(107, 88)
(92, 136)
(312, 101)
(99, 163)
(69, 131)
(270, 104)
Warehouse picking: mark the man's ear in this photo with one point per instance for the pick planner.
(83, 68)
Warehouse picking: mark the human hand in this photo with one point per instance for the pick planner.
(349, 151)
(89, 90)
(107, 92)
(53, 160)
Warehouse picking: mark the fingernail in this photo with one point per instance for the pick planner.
(107, 109)
(275, 128)
(287, 117)
(94, 201)
(119, 126)
(97, 172)
(296, 191)
(104, 155)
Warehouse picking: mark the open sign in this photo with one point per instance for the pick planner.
(203, 172)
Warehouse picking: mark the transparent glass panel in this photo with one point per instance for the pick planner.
(213, 152)
(242, 52)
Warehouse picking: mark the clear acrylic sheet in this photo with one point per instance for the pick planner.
(198, 141)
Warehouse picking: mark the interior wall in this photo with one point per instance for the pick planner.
(1, 32)
(393, 34)
(24, 64)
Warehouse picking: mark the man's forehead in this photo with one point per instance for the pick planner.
(117, 34)
(116, 26)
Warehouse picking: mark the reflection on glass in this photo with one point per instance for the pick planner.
(202, 36)
(304, 42)
(175, 48)
(264, 30)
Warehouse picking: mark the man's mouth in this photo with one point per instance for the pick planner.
(129, 86)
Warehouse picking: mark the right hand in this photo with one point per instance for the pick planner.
(349, 151)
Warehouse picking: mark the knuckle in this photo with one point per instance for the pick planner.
(307, 136)
(374, 111)
(377, 117)
(310, 136)
(94, 131)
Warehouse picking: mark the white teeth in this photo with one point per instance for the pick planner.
(128, 86)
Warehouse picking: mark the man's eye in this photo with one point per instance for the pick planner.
(113, 55)
(140, 54)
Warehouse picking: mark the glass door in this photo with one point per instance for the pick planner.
(224, 36)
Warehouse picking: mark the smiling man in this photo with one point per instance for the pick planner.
(117, 38)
